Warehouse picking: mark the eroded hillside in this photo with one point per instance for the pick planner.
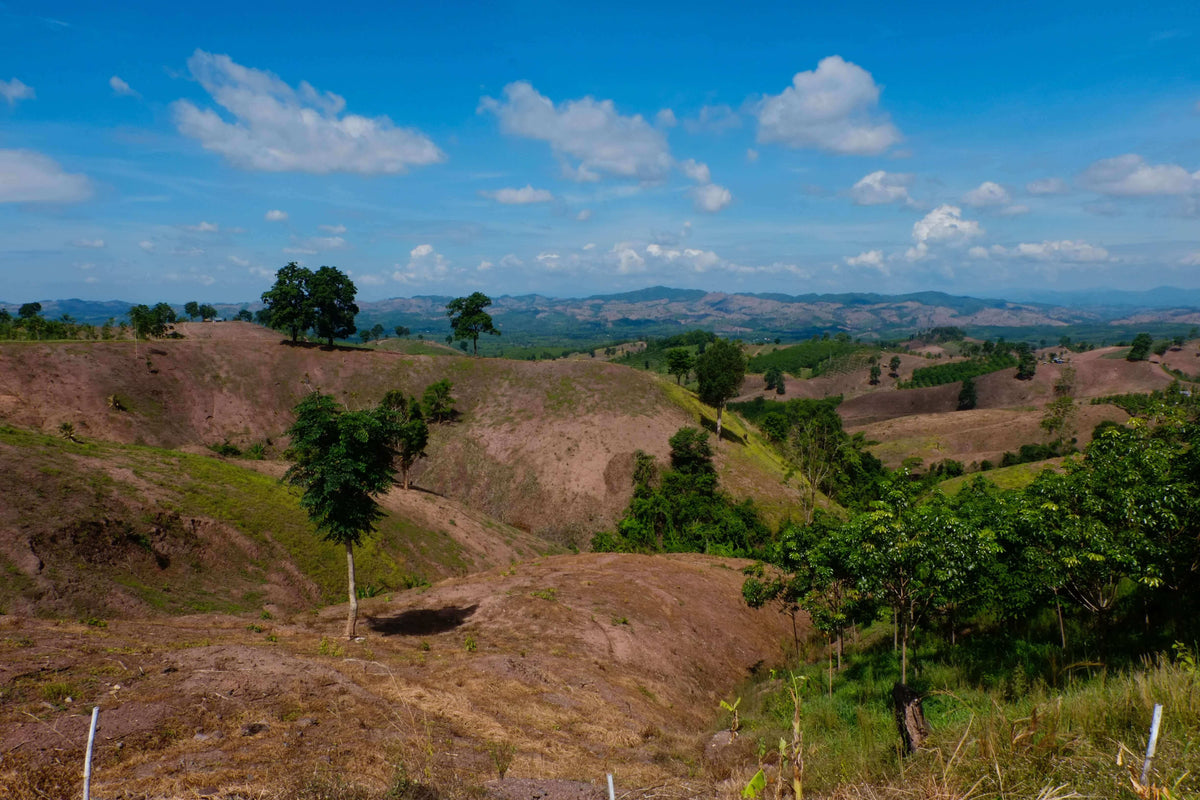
(545, 446)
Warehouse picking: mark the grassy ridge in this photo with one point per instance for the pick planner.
(142, 503)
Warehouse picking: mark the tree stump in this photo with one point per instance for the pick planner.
(910, 718)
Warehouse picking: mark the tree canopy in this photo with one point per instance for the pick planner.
(342, 460)
(468, 318)
(287, 302)
(720, 371)
(150, 322)
(331, 295)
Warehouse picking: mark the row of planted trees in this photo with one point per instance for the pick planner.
(1110, 542)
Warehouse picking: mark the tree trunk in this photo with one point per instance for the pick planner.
(404, 476)
(719, 409)
(841, 644)
(1062, 629)
(352, 617)
(904, 655)
(831, 667)
(910, 717)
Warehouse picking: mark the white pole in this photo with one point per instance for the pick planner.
(87, 761)
(611, 794)
(1152, 743)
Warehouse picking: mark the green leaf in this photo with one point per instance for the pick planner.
(755, 786)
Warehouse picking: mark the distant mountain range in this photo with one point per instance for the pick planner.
(661, 310)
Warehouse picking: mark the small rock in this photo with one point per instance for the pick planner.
(306, 722)
(255, 728)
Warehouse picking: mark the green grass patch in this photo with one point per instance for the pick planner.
(1018, 476)
(1016, 734)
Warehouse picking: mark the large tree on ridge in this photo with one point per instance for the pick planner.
(468, 318)
(287, 302)
(331, 293)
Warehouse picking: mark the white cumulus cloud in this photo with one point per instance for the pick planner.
(665, 118)
(1066, 250)
(277, 128)
(870, 258)
(425, 265)
(1131, 176)
(30, 177)
(520, 197)
(711, 198)
(584, 215)
(986, 195)
(696, 171)
(882, 187)
(943, 225)
(589, 132)
(15, 90)
(335, 229)
(830, 108)
(204, 227)
(89, 243)
(275, 215)
(691, 258)
(121, 88)
(146, 245)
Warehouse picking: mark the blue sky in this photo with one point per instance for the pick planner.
(153, 151)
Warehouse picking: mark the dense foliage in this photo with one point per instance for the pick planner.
(681, 508)
(809, 434)
(959, 370)
(1107, 548)
(816, 354)
(301, 299)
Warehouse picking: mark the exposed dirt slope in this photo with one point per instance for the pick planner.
(546, 446)
(579, 664)
(98, 529)
(972, 436)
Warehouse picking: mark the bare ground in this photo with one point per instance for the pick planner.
(578, 664)
(545, 446)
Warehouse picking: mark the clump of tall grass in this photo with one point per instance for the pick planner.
(1085, 738)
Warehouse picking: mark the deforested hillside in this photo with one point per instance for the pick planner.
(545, 446)
(96, 529)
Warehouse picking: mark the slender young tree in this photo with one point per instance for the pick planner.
(342, 460)
(720, 371)
(679, 363)
(412, 432)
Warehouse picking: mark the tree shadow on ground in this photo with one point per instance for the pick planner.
(727, 435)
(338, 348)
(422, 621)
